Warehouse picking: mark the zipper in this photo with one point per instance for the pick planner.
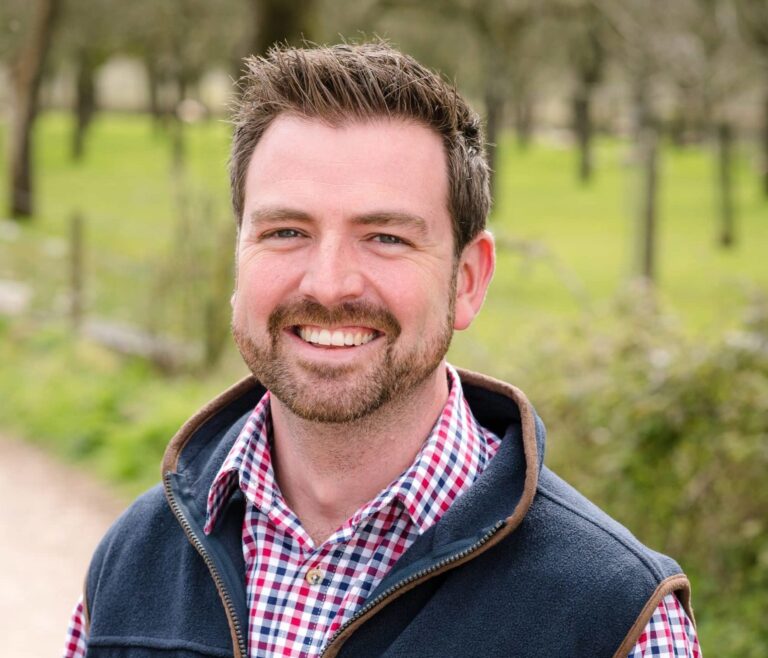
(195, 541)
(419, 575)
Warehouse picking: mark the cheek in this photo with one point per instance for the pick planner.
(420, 303)
(264, 281)
(261, 278)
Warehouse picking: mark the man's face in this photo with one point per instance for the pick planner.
(346, 276)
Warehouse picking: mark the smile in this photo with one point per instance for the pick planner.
(341, 337)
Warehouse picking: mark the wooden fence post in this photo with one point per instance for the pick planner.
(76, 271)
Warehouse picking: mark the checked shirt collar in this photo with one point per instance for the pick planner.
(453, 455)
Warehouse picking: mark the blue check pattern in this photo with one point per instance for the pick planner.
(299, 594)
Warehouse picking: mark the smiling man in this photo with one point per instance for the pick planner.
(358, 496)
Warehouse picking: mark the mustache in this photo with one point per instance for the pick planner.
(359, 313)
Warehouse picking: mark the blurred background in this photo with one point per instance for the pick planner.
(629, 141)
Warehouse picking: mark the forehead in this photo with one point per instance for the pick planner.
(359, 166)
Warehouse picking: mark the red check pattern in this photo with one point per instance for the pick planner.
(300, 594)
(77, 639)
(669, 634)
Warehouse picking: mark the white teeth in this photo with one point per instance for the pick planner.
(337, 338)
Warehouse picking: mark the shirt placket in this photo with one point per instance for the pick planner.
(324, 583)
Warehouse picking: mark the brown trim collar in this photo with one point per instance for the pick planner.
(530, 449)
(173, 451)
(679, 585)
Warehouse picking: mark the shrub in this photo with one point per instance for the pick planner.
(671, 437)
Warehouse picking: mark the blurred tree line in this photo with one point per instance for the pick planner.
(643, 414)
(686, 69)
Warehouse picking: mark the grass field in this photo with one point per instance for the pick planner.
(565, 257)
(577, 240)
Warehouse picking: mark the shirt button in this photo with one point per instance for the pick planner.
(314, 576)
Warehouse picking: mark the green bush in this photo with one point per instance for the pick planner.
(85, 403)
(667, 433)
(671, 437)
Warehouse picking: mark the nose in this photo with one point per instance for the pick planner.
(332, 273)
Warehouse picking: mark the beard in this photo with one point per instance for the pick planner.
(344, 393)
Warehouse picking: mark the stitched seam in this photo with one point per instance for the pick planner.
(666, 586)
(141, 641)
(196, 421)
(652, 569)
(86, 611)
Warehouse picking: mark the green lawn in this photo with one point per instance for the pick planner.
(140, 216)
(607, 389)
(590, 231)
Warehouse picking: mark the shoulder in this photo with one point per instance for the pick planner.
(146, 580)
(571, 564)
(583, 532)
(144, 524)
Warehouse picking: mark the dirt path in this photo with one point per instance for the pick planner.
(51, 518)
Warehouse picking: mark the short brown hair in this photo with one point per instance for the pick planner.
(364, 81)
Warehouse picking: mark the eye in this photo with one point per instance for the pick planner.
(385, 238)
(284, 233)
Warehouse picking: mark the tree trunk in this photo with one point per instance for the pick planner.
(76, 258)
(582, 126)
(20, 138)
(648, 203)
(764, 172)
(727, 213)
(178, 141)
(26, 73)
(85, 101)
(590, 62)
(153, 89)
(494, 107)
(523, 117)
(281, 21)
(646, 157)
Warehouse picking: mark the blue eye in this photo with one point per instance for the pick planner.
(388, 239)
(285, 233)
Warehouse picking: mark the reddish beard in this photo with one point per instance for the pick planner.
(337, 394)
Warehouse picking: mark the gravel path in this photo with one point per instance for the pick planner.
(51, 518)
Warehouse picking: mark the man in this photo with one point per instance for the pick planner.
(358, 496)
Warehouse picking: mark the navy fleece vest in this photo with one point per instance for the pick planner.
(521, 565)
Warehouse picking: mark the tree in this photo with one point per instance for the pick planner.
(277, 21)
(91, 31)
(585, 29)
(26, 70)
(632, 23)
(753, 20)
(711, 65)
(509, 48)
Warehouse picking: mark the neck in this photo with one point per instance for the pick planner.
(328, 471)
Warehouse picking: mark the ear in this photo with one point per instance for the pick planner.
(476, 265)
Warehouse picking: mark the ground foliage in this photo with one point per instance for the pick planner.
(670, 436)
(665, 429)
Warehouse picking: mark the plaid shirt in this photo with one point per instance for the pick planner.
(299, 594)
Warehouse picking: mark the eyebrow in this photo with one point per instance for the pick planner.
(387, 218)
(278, 214)
(382, 218)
